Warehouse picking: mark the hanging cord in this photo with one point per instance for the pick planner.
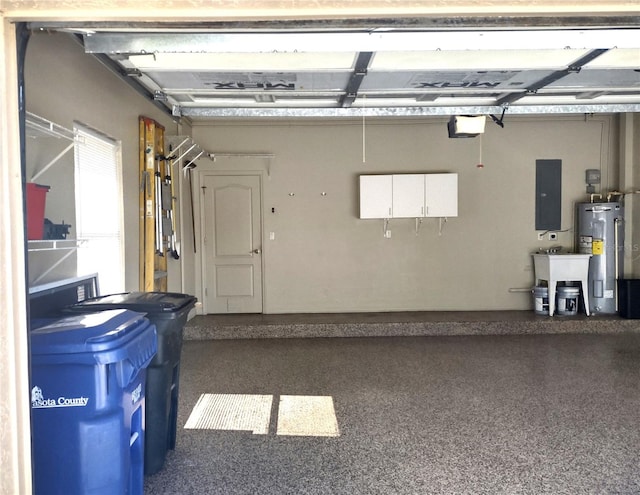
(442, 220)
(364, 151)
(418, 224)
(480, 164)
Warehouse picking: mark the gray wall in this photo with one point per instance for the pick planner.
(324, 258)
(64, 85)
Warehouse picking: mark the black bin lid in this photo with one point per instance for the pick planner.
(143, 302)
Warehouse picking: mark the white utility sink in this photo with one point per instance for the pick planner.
(556, 268)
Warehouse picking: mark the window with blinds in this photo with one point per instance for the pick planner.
(99, 208)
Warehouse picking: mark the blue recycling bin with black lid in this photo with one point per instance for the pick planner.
(88, 377)
(168, 311)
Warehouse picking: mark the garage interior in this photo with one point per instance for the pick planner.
(344, 114)
(463, 394)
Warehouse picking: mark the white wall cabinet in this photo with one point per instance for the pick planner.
(408, 195)
(376, 196)
(441, 195)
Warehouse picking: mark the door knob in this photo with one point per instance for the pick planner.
(257, 251)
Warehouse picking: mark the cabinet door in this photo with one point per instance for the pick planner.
(408, 196)
(441, 195)
(376, 196)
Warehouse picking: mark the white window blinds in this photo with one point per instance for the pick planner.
(99, 208)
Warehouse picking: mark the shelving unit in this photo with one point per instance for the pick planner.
(54, 244)
(68, 245)
(37, 127)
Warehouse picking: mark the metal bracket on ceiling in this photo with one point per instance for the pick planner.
(572, 68)
(590, 95)
(357, 76)
(499, 121)
(130, 78)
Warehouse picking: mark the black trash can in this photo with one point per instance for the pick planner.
(168, 312)
(629, 298)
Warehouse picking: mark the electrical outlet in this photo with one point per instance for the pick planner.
(553, 236)
(540, 236)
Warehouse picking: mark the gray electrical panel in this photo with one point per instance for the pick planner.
(548, 194)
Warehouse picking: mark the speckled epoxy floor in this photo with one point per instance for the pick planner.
(509, 414)
(399, 324)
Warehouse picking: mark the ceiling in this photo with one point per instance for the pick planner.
(206, 74)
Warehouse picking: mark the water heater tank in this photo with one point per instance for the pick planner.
(601, 234)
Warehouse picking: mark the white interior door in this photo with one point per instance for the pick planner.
(232, 244)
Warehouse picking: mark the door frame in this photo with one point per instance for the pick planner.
(201, 261)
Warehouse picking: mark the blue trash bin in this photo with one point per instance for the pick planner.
(88, 376)
(168, 311)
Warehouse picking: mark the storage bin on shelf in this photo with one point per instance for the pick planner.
(36, 202)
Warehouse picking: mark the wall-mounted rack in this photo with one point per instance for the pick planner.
(39, 127)
(183, 148)
(265, 156)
